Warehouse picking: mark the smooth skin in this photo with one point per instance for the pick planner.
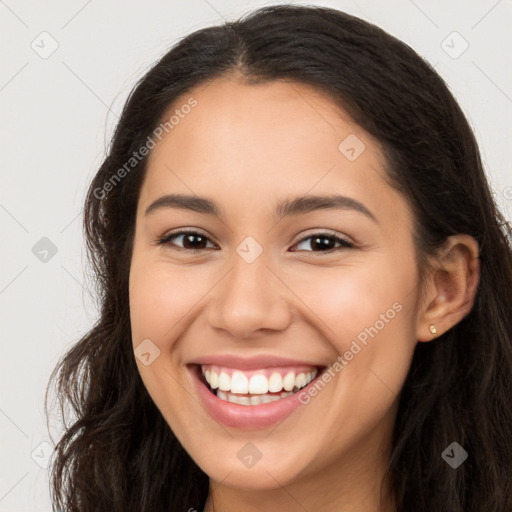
(247, 148)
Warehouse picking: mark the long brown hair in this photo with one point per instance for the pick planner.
(117, 452)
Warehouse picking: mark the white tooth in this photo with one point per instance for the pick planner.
(265, 399)
(222, 395)
(243, 400)
(284, 394)
(231, 398)
(255, 400)
(207, 376)
(289, 381)
(214, 380)
(224, 381)
(258, 385)
(275, 383)
(239, 383)
(300, 380)
(203, 371)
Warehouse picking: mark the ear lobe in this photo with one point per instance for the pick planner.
(451, 287)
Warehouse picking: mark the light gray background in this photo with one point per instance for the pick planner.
(57, 115)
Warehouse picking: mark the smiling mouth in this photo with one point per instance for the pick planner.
(255, 387)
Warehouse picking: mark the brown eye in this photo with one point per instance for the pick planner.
(324, 242)
(190, 240)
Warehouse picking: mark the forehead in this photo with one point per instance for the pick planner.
(234, 117)
(265, 142)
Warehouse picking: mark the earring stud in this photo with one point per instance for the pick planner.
(433, 329)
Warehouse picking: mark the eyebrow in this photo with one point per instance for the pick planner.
(295, 206)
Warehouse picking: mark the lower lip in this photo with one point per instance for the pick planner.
(245, 416)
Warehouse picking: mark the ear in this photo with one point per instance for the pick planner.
(450, 288)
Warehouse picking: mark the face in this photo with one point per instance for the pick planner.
(275, 333)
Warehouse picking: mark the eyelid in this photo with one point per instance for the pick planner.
(322, 232)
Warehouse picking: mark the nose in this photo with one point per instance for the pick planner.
(249, 299)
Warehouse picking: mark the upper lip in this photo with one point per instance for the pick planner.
(251, 363)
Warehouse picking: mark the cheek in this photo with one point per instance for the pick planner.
(349, 299)
(161, 298)
(367, 313)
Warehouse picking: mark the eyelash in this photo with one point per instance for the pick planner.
(345, 244)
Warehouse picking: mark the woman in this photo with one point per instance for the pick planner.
(305, 286)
